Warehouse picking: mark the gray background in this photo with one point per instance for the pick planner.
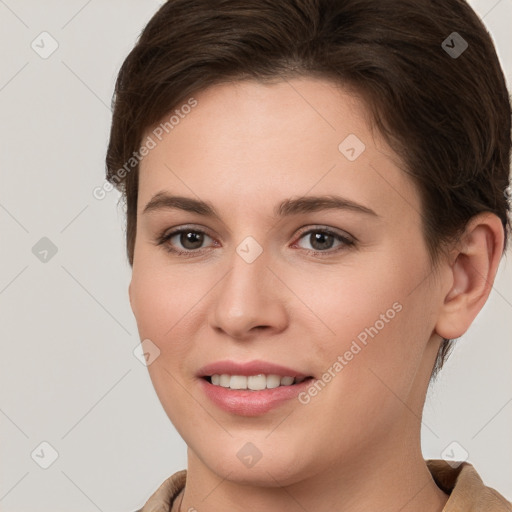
(68, 373)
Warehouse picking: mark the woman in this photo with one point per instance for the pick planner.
(316, 208)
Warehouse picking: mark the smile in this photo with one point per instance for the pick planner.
(253, 382)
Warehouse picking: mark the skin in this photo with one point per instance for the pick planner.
(355, 446)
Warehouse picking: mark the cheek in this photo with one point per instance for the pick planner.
(167, 305)
(367, 323)
(162, 300)
(348, 302)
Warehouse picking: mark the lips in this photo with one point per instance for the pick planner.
(251, 402)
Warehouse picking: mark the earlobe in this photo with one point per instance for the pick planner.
(472, 275)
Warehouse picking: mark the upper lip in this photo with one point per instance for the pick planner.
(247, 368)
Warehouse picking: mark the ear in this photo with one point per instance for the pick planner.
(473, 271)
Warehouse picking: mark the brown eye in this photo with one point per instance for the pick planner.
(190, 240)
(321, 240)
(183, 241)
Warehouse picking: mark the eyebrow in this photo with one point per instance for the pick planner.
(288, 207)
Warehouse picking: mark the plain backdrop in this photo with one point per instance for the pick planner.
(69, 377)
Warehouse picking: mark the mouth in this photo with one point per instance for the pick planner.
(257, 382)
(252, 388)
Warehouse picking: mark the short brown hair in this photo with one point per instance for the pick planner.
(447, 115)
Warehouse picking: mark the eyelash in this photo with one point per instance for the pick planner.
(165, 237)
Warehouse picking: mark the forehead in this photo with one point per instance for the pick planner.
(253, 141)
(247, 114)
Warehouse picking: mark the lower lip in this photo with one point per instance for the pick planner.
(251, 403)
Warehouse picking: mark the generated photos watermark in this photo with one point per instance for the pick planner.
(150, 143)
(355, 348)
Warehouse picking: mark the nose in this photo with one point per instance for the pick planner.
(249, 300)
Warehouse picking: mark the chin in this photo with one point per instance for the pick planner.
(270, 467)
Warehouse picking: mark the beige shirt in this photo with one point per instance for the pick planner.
(467, 491)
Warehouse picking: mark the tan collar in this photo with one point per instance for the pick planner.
(467, 491)
(162, 499)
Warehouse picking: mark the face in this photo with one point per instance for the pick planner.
(255, 272)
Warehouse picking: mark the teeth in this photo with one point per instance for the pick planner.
(238, 382)
(224, 380)
(253, 382)
(273, 381)
(257, 382)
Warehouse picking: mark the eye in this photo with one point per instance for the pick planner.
(190, 241)
(321, 240)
